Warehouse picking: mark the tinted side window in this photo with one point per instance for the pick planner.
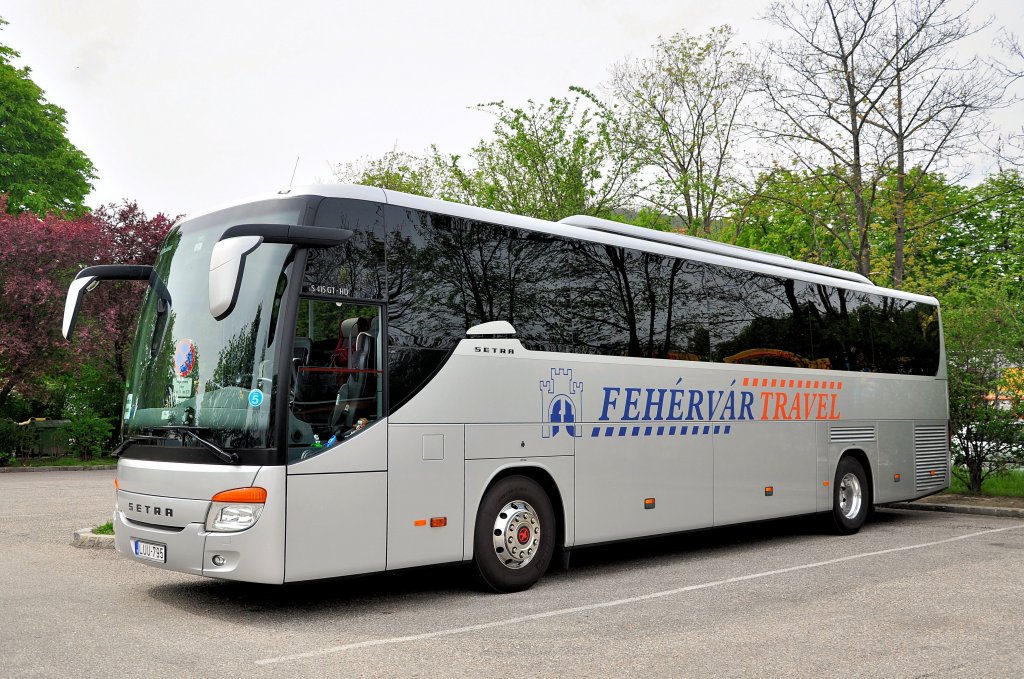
(836, 322)
(539, 282)
(759, 319)
(687, 320)
(424, 302)
(871, 333)
(423, 323)
(356, 267)
(605, 306)
(631, 303)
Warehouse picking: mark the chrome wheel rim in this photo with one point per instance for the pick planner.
(850, 496)
(516, 534)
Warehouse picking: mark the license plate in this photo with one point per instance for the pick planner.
(153, 551)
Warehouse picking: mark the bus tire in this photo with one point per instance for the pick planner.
(515, 535)
(851, 496)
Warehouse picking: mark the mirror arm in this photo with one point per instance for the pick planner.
(108, 272)
(303, 236)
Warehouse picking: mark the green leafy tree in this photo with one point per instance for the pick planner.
(803, 215)
(87, 436)
(427, 175)
(984, 330)
(986, 241)
(567, 156)
(685, 103)
(40, 170)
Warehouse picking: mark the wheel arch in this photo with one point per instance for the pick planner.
(861, 456)
(532, 470)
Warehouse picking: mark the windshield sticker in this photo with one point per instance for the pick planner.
(183, 387)
(185, 357)
(255, 398)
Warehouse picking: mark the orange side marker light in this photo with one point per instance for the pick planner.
(896, 478)
(117, 486)
(769, 491)
(649, 503)
(439, 522)
(825, 483)
(419, 522)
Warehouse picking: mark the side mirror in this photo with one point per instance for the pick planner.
(227, 261)
(90, 275)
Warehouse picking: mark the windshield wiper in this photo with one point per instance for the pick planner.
(218, 452)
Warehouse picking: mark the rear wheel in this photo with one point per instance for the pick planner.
(851, 497)
(515, 535)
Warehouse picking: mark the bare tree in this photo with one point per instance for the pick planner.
(934, 104)
(685, 103)
(821, 84)
(870, 89)
(1010, 146)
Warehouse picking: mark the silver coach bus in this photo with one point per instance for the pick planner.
(340, 379)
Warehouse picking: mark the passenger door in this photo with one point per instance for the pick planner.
(337, 442)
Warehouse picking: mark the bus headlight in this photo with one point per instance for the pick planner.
(235, 510)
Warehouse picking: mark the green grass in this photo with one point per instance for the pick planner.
(63, 462)
(1007, 484)
(105, 529)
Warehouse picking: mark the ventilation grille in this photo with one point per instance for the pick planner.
(931, 457)
(847, 434)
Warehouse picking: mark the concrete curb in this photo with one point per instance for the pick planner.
(1008, 512)
(85, 538)
(75, 468)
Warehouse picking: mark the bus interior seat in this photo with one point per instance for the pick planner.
(301, 350)
(354, 393)
(347, 332)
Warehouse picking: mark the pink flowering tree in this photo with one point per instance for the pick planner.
(38, 258)
(129, 237)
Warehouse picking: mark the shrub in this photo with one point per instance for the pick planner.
(87, 436)
(13, 439)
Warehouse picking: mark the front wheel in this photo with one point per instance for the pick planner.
(851, 497)
(515, 535)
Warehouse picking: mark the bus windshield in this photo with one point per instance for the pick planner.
(190, 371)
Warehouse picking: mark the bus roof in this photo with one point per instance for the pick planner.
(583, 227)
(705, 245)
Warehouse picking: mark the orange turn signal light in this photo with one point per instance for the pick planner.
(649, 503)
(252, 495)
(117, 486)
(419, 522)
(769, 491)
(896, 477)
(439, 522)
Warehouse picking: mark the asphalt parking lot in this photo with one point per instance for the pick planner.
(914, 594)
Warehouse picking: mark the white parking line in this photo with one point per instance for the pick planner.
(616, 602)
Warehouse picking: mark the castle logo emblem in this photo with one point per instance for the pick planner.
(561, 404)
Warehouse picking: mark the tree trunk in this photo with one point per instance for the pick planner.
(6, 390)
(976, 477)
(863, 254)
(900, 203)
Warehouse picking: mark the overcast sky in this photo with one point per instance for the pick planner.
(182, 105)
